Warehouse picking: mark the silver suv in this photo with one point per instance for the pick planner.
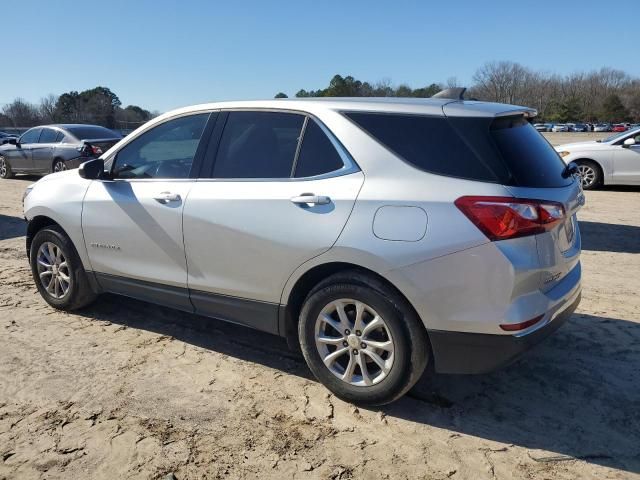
(377, 235)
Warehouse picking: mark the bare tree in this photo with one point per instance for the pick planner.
(47, 108)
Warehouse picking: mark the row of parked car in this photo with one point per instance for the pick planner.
(585, 127)
(53, 148)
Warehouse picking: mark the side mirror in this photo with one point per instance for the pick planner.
(629, 142)
(14, 141)
(92, 170)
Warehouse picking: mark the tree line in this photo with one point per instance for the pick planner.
(605, 95)
(98, 106)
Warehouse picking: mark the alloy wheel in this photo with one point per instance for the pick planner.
(53, 270)
(354, 342)
(3, 167)
(59, 166)
(587, 175)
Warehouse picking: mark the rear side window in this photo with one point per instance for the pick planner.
(505, 150)
(258, 145)
(48, 136)
(59, 137)
(531, 159)
(317, 154)
(428, 143)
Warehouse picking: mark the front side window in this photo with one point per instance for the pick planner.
(258, 145)
(31, 136)
(317, 154)
(48, 136)
(165, 151)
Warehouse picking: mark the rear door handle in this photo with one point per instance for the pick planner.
(166, 197)
(311, 199)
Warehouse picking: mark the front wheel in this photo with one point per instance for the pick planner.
(590, 174)
(361, 340)
(58, 271)
(5, 168)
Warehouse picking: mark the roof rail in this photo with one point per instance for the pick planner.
(456, 93)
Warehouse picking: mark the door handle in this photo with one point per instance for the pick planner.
(166, 197)
(309, 199)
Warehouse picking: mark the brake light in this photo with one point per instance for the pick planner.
(500, 218)
(89, 150)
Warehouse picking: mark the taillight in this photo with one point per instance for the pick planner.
(500, 218)
(90, 150)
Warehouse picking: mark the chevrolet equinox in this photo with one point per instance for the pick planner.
(376, 235)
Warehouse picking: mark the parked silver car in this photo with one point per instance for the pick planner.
(52, 148)
(377, 235)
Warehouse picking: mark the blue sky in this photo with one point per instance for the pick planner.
(164, 54)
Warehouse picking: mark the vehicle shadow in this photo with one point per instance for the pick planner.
(610, 237)
(620, 188)
(12, 227)
(577, 394)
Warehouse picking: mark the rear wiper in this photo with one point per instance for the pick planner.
(570, 170)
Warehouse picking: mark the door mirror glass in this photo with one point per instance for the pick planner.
(92, 170)
(628, 142)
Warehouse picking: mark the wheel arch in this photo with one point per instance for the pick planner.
(292, 301)
(36, 224)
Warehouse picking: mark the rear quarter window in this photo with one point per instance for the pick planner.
(428, 143)
(505, 150)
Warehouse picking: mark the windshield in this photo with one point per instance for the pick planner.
(618, 136)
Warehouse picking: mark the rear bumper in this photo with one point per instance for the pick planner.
(471, 353)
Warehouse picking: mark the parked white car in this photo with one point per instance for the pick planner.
(612, 161)
(560, 127)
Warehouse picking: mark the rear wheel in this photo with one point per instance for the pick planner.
(361, 339)
(58, 271)
(58, 166)
(5, 168)
(590, 174)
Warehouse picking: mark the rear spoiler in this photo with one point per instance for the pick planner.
(457, 94)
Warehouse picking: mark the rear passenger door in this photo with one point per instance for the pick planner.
(42, 152)
(278, 192)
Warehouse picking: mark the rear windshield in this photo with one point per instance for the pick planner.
(505, 150)
(532, 161)
(90, 132)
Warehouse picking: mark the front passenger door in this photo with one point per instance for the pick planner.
(132, 223)
(626, 163)
(21, 156)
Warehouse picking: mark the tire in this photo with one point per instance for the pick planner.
(5, 168)
(590, 174)
(58, 166)
(78, 292)
(406, 346)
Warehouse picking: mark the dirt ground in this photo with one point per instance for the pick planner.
(124, 389)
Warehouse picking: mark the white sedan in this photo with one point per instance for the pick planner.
(612, 161)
